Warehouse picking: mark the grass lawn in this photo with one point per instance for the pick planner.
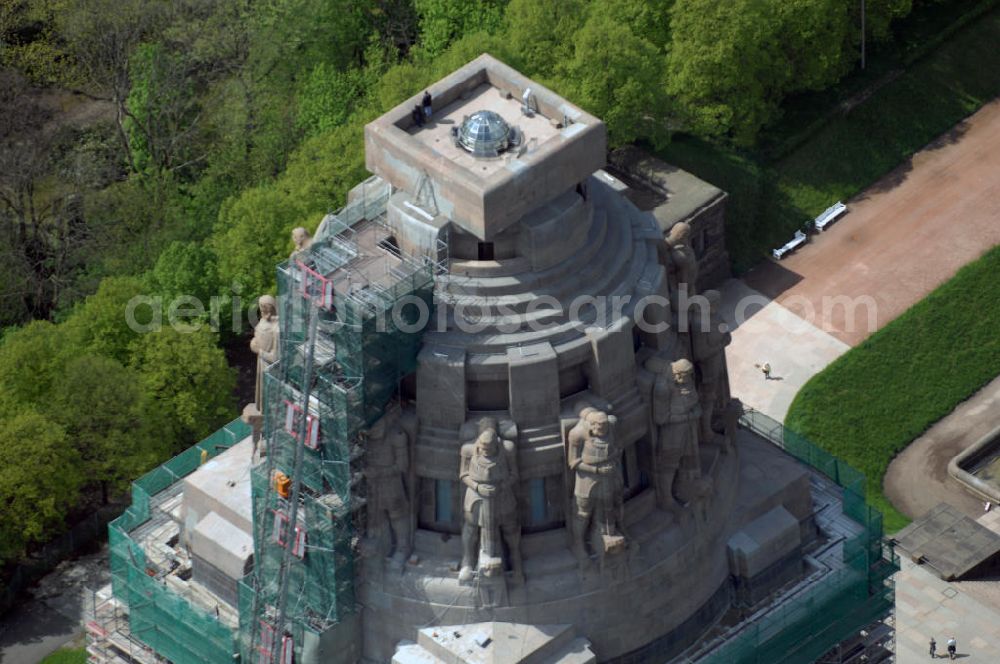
(67, 656)
(875, 399)
(769, 200)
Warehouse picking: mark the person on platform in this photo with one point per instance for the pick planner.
(427, 105)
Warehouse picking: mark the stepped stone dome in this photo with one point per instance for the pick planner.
(484, 134)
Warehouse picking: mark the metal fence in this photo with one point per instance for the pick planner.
(846, 601)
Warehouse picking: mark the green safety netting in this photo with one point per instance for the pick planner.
(159, 617)
(365, 342)
(371, 339)
(803, 628)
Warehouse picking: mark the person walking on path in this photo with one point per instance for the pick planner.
(952, 647)
(765, 369)
(933, 648)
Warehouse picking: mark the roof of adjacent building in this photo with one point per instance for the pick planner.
(955, 546)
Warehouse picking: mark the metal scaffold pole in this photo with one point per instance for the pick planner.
(283, 625)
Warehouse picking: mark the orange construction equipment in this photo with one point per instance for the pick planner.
(282, 484)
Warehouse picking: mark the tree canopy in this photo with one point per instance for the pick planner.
(40, 480)
(187, 380)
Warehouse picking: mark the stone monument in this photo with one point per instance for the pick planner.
(489, 473)
(682, 264)
(265, 343)
(708, 344)
(265, 346)
(517, 443)
(302, 241)
(598, 501)
(386, 461)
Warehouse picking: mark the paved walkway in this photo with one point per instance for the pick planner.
(928, 607)
(917, 479)
(32, 631)
(902, 237)
(53, 616)
(765, 331)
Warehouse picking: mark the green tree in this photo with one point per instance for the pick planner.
(616, 75)
(649, 19)
(291, 36)
(135, 220)
(43, 239)
(30, 43)
(724, 66)
(329, 95)
(102, 326)
(101, 406)
(100, 38)
(252, 234)
(186, 269)
(540, 33)
(879, 14)
(162, 109)
(254, 229)
(730, 65)
(188, 381)
(445, 21)
(322, 171)
(31, 362)
(40, 480)
(818, 42)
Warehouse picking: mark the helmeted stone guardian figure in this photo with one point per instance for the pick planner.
(677, 415)
(683, 264)
(709, 348)
(386, 461)
(265, 343)
(598, 491)
(489, 473)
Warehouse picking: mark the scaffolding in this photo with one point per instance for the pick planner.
(351, 309)
(843, 603)
(147, 612)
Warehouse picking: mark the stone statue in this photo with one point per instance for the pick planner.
(598, 491)
(265, 343)
(386, 461)
(677, 415)
(302, 239)
(683, 267)
(489, 473)
(709, 348)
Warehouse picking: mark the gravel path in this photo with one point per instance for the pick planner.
(917, 479)
(902, 237)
